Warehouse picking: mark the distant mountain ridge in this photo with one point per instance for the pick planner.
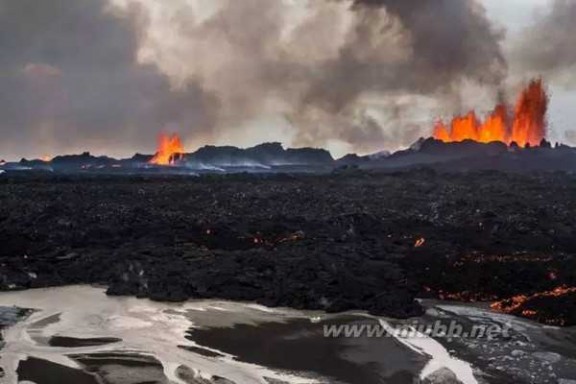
(208, 157)
(458, 156)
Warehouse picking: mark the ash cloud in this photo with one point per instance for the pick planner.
(70, 81)
(111, 73)
(411, 49)
(547, 47)
(324, 70)
(447, 40)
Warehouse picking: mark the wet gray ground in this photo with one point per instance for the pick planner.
(530, 353)
(77, 335)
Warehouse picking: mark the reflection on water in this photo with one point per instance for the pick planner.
(73, 327)
(45, 372)
(299, 344)
(74, 342)
(79, 335)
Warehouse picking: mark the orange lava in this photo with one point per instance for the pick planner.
(515, 304)
(170, 149)
(526, 126)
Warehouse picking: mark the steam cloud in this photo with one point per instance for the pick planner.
(105, 74)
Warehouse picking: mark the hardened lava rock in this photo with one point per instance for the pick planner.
(336, 242)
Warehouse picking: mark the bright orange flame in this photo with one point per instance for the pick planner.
(527, 126)
(441, 132)
(494, 128)
(465, 127)
(530, 121)
(170, 149)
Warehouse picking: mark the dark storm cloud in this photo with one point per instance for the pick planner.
(547, 47)
(69, 80)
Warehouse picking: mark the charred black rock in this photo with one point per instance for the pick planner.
(335, 242)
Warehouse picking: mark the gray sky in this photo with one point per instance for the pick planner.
(514, 14)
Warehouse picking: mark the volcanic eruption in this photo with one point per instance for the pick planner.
(169, 150)
(525, 126)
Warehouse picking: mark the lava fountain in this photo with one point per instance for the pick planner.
(170, 149)
(525, 126)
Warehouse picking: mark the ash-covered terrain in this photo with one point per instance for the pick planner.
(339, 241)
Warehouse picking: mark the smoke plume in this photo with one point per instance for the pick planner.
(69, 81)
(110, 74)
(547, 47)
(336, 70)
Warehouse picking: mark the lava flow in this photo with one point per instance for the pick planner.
(526, 126)
(521, 305)
(170, 149)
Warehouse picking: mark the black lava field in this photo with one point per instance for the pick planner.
(350, 240)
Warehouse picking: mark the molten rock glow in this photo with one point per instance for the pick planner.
(526, 126)
(523, 305)
(170, 149)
